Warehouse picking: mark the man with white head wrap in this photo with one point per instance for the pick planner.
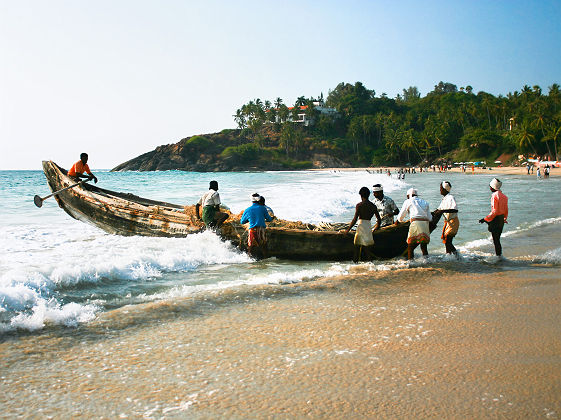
(385, 205)
(419, 216)
(499, 214)
(449, 209)
(256, 215)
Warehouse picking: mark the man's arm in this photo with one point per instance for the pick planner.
(355, 218)
(404, 209)
(378, 219)
(197, 210)
(245, 218)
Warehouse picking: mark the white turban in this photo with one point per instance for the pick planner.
(255, 198)
(411, 192)
(446, 185)
(495, 184)
(377, 189)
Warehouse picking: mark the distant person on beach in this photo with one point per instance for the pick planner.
(269, 210)
(210, 202)
(364, 211)
(78, 169)
(385, 205)
(449, 209)
(498, 216)
(256, 215)
(538, 173)
(419, 216)
(546, 172)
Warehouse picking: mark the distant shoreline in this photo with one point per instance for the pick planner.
(497, 170)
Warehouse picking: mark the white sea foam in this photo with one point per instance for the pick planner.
(550, 257)
(35, 270)
(249, 279)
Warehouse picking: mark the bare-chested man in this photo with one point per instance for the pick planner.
(364, 212)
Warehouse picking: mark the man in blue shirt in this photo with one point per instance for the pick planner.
(256, 215)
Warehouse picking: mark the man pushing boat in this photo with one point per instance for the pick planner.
(256, 215)
(364, 212)
(210, 202)
(419, 216)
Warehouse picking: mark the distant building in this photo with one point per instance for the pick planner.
(304, 119)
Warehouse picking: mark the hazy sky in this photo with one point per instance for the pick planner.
(118, 78)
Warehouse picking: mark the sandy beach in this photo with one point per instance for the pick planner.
(496, 170)
(416, 343)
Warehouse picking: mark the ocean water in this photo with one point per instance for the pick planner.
(56, 272)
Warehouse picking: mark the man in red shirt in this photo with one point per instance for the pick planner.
(78, 169)
(499, 213)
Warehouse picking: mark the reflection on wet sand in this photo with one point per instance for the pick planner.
(414, 343)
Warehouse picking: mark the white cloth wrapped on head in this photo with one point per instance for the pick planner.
(446, 185)
(255, 198)
(495, 184)
(411, 192)
(377, 189)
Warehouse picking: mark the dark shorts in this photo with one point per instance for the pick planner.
(208, 214)
(496, 225)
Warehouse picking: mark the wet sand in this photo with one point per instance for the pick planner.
(416, 343)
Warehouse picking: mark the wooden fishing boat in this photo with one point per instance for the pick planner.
(127, 214)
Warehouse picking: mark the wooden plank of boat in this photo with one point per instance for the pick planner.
(128, 214)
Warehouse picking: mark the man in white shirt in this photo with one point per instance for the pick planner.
(419, 216)
(449, 209)
(210, 202)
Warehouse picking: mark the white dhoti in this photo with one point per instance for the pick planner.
(363, 235)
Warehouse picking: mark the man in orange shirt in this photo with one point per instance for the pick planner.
(78, 169)
(499, 213)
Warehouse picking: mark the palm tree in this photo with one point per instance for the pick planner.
(300, 101)
(526, 138)
(239, 118)
(553, 134)
(278, 103)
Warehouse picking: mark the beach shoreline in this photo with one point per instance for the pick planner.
(495, 170)
(415, 343)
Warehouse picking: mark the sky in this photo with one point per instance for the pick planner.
(117, 78)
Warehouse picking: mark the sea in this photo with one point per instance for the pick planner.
(59, 273)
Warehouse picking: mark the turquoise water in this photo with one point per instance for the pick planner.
(55, 270)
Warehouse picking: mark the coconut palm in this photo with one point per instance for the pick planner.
(526, 137)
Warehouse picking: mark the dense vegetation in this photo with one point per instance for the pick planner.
(448, 124)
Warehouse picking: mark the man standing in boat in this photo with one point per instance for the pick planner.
(256, 215)
(385, 205)
(499, 213)
(364, 212)
(78, 169)
(449, 209)
(419, 216)
(210, 202)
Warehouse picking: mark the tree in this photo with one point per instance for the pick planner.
(442, 88)
(239, 118)
(300, 101)
(553, 134)
(526, 137)
(411, 94)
